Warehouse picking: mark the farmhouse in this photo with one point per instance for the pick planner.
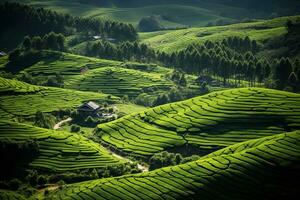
(90, 108)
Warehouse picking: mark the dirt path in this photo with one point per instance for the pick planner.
(141, 167)
(58, 125)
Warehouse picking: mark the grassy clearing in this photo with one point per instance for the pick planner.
(236, 172)
(206, 123)
(170, 41)
(59, 150)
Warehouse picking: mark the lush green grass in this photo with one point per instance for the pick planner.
(170, 41)
(19, 99)
(58, 150)
(206, 123)
(265, 168)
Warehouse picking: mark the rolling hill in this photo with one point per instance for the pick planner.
(57, 150)
(174, 40)
(204, 124)
(265, 168)
(171, 13)
(107, 76)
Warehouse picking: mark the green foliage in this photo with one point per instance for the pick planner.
(44, 120)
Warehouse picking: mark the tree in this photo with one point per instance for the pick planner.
(161, 99)
(182, 81)
(37, 43)
(27, 43)
(148, 24)
(282, 71)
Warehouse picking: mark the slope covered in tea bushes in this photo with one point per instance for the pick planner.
(19, 99)
(119, 81)
(265, 168)
(58, 150)
(174, 40)
(206, 123)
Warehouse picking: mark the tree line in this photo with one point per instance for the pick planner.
(233, 59)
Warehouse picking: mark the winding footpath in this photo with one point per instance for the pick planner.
(58, 125)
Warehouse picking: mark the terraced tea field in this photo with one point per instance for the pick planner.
(206, 123)
(110, 77)
(118, 81)
(19, 99)
(58, 150)
(265, 168)
(10, 195)
(171, 41)
(66, 64)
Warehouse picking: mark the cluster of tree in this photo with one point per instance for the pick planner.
(232, 58)
(165, 158)
(293, 36)
(286, 74)
(123, 51)
(52, 81)
(24, 20)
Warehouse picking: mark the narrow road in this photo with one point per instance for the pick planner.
(58, 125)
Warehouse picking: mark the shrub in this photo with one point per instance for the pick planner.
(75, 128)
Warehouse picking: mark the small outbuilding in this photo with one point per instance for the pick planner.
(2, 53)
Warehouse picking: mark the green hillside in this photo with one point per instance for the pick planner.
(118, 81)
(206, 123)
(19, 99)
(110, 77)
(170, 41)
(265, 168)
(57, 150)
(170, 13)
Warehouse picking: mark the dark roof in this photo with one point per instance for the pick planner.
(90, 105)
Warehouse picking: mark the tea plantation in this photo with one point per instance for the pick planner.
(206, 123)
(58, 150)
(19, 99)
(118, 81)
(171, 41)
(254, 169)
